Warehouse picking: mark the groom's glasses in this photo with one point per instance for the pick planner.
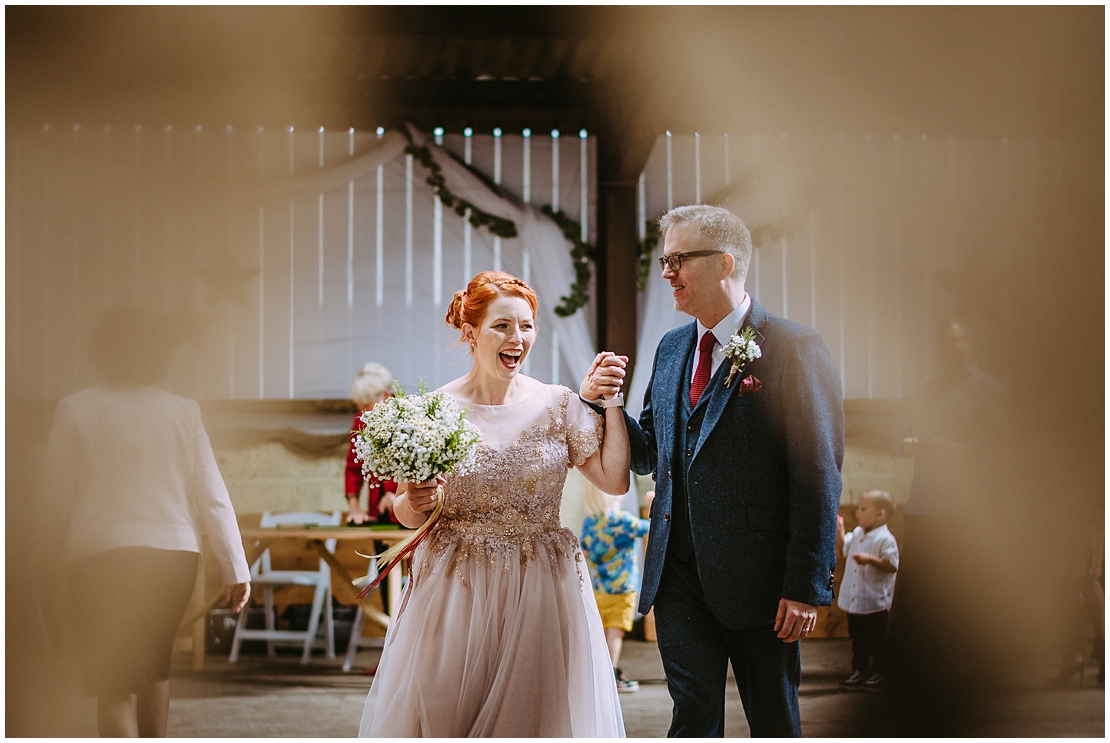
(675, 259)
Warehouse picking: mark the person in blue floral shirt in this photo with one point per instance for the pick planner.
(608, 541)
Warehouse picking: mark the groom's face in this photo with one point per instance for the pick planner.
(694, 283)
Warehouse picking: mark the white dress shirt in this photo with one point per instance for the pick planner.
(865, 589)
(723, 332)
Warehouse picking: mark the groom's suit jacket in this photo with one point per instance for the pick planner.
(761, 471)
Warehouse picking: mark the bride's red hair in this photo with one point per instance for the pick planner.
(470, 305)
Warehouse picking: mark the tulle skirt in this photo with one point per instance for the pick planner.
(488, 647)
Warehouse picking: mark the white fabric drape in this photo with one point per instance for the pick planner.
(390, 146)
(552, 270)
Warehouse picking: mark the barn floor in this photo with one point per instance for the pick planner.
(277, 697)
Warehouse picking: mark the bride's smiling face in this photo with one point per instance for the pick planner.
(503, 339)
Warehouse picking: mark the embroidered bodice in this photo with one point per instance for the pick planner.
(509, 500)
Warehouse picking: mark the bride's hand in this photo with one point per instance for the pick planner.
(423, 495)
(418, 499)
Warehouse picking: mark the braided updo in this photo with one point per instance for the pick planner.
(469, 306)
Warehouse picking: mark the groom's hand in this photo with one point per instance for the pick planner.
(794, 620)
(605, 377)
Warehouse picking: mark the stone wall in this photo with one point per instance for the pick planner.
(270, 477)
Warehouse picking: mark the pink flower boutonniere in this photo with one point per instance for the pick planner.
(749, 384)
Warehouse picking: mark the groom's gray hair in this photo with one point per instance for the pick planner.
(719, 228)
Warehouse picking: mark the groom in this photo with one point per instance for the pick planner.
(741, 548)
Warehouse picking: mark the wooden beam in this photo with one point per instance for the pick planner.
(617, 260)
(625, 136)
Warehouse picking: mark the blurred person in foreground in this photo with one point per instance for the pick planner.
(369, 387)
(743, 428)
(609, 536)
(1088, 605)
(130, 490)
(939, 661)
(866, 591)
(954, 416)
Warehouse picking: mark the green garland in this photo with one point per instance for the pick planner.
(580, 255)
(499, 226)
(581, 252)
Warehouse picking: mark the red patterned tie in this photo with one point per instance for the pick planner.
(705, 365)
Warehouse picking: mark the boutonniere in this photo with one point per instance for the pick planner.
(741, 350)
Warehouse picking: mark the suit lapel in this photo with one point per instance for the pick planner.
(671, 378)
(719, 395)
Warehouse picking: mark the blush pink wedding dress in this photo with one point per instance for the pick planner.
(498, 633)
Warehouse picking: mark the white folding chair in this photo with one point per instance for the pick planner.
(357, 639)
(263, 575)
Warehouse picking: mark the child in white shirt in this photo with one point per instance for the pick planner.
(868, 586)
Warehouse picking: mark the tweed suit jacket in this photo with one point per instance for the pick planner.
(764, 482)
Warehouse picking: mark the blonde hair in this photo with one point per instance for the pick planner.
(599, 503)
(370, 384)
(882, 499)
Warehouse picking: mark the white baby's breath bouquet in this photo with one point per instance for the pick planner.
(414, 438)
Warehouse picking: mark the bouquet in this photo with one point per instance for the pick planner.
(413, 438)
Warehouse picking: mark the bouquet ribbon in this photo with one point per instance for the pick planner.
(392, 556)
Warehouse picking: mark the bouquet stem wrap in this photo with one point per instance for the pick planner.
(389, 559)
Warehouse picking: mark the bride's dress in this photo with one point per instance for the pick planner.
(498, 633)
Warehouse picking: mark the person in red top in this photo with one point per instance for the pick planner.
(369, 387)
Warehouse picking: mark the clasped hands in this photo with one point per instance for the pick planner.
(605, 377)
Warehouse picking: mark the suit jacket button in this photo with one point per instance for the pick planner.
(689, 452)
(668, 474)
(666, 517)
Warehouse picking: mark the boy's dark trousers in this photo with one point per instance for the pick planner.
(868, 632)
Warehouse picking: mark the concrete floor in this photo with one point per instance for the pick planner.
(277, 697)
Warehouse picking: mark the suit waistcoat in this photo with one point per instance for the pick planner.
(688, 422)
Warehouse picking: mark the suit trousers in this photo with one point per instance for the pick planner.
(696, 650)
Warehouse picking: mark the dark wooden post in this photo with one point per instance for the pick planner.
(616, 280)
(623, 148)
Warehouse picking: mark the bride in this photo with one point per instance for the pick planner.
(498, 633)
